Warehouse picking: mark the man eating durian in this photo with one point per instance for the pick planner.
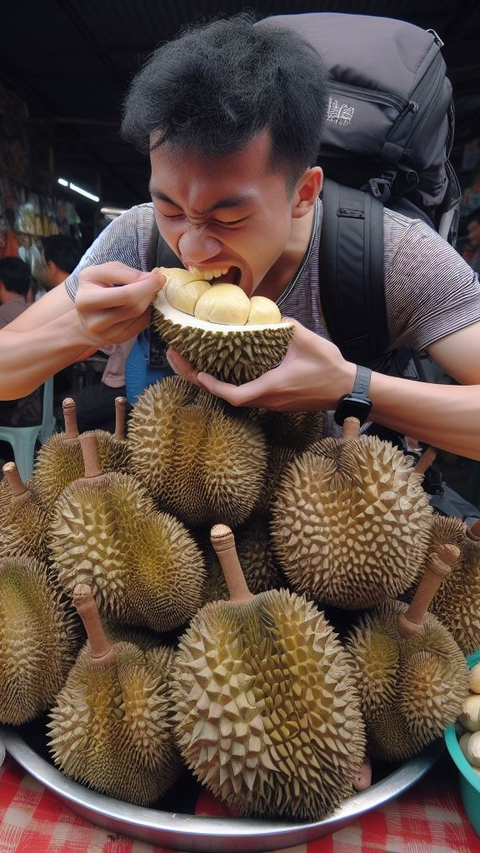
(231, 114)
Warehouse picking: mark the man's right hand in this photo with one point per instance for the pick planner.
(113, 301)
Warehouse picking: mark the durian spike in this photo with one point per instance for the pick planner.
(439, 565)
(351, 429)
(223, 542)
(120, 433)
(102, 652)
(91, 458)
(21, 493)
(70, 417)
(473, 532)
(426, 459)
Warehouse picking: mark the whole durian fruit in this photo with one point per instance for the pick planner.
(218, 328)
(351, 521)
(412, 675)
(24, 523)
(111, 725)
(39, 639)
(143, 566)
(200, 462)
(266, 710)
(457, 602)
(59, 461)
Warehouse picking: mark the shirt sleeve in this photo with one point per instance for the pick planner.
(124, 240)
(430, 290)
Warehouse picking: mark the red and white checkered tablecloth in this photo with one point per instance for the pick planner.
(427, 819)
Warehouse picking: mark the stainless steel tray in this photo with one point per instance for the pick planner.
(211, 835)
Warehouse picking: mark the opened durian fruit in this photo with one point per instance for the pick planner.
(39, 638)
(59, 461)
(111, 726)
(351, 522)
(24, 520)
(200, 462)
(266, 710)
(457, 601)
(143, 566)
(412, 676)
(218, 328)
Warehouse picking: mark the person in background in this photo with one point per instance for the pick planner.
(62, 255)
(15, 281)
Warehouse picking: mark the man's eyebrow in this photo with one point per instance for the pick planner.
(228, 202)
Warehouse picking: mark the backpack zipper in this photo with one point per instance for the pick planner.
(372, 95)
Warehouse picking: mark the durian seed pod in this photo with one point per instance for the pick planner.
(111, 726)
(143, 566)
(412, 676)
(267, 713)
(200, 463)
(256, 558)
(39, 639)
(351, 521)
(217, 336)
(457, 602)
(24, 527)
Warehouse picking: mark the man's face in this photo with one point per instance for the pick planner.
(474, 233)
(231, 215)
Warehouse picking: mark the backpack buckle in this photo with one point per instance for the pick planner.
(380, 188)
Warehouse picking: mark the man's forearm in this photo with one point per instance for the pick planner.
(446, 416)
(28, 358)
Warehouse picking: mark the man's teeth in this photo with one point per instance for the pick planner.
(207, 275)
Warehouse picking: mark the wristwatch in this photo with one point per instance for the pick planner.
(356, 404)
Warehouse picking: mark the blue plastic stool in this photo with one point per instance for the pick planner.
(23, 439)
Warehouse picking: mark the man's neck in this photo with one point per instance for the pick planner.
(10, 296)
(283, 270)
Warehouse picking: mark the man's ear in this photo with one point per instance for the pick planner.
(307, 191)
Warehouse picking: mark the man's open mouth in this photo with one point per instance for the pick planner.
(219, 275)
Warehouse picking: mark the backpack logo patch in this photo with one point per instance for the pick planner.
(338, 113)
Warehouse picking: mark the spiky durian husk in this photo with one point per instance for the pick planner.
(350, 527)
(297, 430)
(60, 462)
(24, 529)
(254, 549)
(201, 464)
(142, 566)
(111, 728)
(93, 531)
(267, 714)
(39, 639)
(411, 690)
(235, 355)
(457, 601)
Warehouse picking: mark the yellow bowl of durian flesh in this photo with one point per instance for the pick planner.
(218, 327)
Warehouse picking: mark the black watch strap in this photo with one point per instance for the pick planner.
(356, 404)
(361, 386)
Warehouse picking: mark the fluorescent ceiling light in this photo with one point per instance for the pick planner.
(79, 190)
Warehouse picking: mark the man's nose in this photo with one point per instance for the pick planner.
(196, 247)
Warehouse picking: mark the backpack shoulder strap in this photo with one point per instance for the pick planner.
(351, 273)
(159, 254)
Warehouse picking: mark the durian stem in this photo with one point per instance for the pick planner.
(364, 778)
(473, 532)
(426, 459)
(70, 417)
(102, 652)
(223, 542)
(439, 565)
(21, 494)
(91, 459)
(351, 429)
(120, 418)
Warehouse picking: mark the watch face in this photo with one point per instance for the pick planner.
(352, 407)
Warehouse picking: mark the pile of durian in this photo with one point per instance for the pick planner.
(214, 592)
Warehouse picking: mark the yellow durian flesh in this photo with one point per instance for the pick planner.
(183, 289)
(411, 690)
(267, 714)
(225, 304)
(263, 311)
